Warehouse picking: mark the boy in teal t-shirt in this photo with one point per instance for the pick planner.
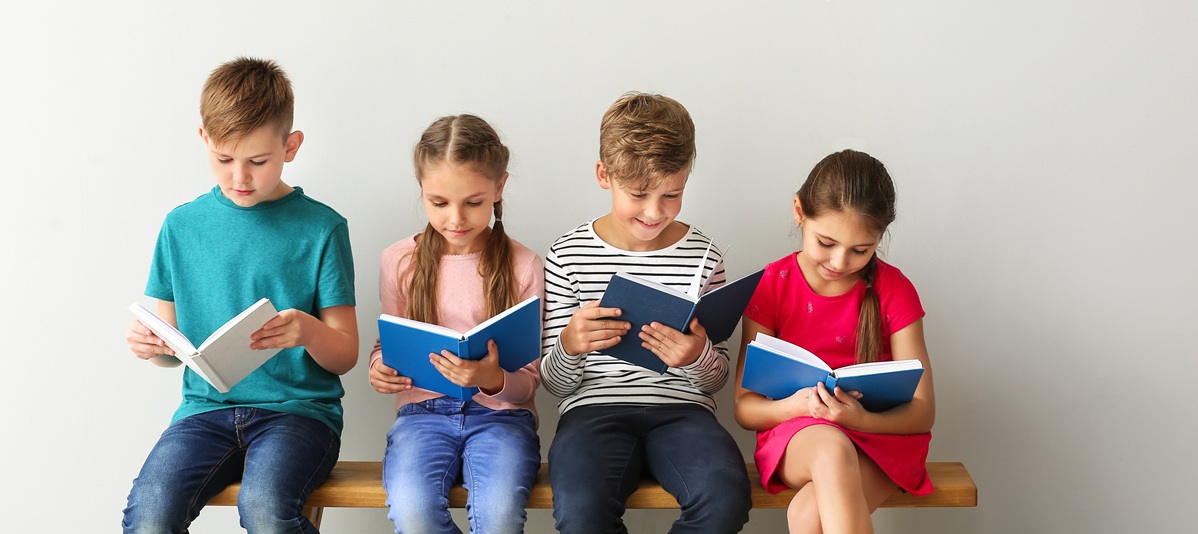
(252, 236)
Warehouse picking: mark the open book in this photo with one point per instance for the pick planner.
(644, 301)
(406, 345)
(225, 357)
(778, 369)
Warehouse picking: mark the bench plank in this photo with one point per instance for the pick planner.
(360, 485)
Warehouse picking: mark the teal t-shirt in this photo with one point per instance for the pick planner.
(214, 258)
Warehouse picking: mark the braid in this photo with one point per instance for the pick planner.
(496, 267)
(869, 323)
(422, 285)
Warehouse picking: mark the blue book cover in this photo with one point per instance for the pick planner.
(406, 345)
(778, 369)
(644, 301)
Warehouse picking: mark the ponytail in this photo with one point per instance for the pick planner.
(422, 285)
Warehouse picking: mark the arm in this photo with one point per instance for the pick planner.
(754, 411)
(146, 345)
(332, 340)
(704, 364)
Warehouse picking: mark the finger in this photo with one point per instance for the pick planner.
(451, 359)
(697, 329)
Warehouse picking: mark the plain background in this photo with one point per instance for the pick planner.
(1044, 155)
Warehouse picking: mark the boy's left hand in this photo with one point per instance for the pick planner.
(288, 329)
(484, 374)
(674, 347)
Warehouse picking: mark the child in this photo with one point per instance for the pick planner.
(251, 236)
(837, 299)
(458, 273)
(620, 420)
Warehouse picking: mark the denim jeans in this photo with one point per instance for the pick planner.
(600, 453)
(279, 457)
(496, 452)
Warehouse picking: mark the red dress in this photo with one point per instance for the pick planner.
(825, 326)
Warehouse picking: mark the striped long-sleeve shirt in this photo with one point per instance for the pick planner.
(577, 270)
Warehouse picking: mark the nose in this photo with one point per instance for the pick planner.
(654, 209)
(457, 214)
(839, 260)
(241, 174)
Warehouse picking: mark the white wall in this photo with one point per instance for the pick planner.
(1043, 154)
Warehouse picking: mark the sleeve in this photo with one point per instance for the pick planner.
(560, 372)
(709, 372)
(335, 286)
(763, 305)
(159, 285)
(899, 299)
(520, 387)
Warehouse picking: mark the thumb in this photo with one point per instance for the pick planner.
(697, 329)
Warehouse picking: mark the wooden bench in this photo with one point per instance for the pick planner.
(360, 485)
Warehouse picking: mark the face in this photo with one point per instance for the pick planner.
(836, 246)
(459, 203)
(641, 217)
(250, 170)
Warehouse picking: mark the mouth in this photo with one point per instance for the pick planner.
(458, 233)
(243, 192)
(649, 225)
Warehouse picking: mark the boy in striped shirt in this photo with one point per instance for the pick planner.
(620, 420)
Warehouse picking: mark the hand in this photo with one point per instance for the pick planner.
(144, 343)
(591, 328)
(840, 406)
(387, 380)
(674, 347)
(290, 328)
(484, 374)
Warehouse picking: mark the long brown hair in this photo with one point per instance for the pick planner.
(858, 183)
(461, 140)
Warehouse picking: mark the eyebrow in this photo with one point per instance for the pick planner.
(826, 238)
(471, 197)
(255, 156)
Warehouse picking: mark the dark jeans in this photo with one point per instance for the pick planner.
(601, 452)
(279, 458)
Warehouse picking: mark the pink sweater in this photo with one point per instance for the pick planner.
(462, 307)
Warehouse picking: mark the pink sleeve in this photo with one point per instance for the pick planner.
(391, 298)
(763, 307)
(899, 300)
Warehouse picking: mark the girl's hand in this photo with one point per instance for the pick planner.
(387, 380)
(674, 347)
(484, 374)
(840, 407)
(592, 328)
(290, 328)
(144, 343)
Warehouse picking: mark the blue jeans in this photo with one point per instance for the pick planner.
(279, 457)
(496, 452)
(600, 453)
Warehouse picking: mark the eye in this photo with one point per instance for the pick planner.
(258, 163)
(824, 245)
(474, 203)
(224, 161)
(438, 204)
(637, 196)
(672, 196)
(861, 252)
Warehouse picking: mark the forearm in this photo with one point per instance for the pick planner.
(709, 372)
(915, 417)
(520, 387)
(755, 412)
(334, 346)
(560, 372)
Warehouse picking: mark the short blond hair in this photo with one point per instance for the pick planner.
(243, 95)
(644, 138)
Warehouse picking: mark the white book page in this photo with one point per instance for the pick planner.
(862, 369)
(656, 285)
(227, 351)
(419, 325)
(500, 316)
(184, 350)
(789, 350)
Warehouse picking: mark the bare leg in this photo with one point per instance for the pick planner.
(838, 486)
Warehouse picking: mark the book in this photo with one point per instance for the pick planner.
(406, 344)
(644, 301)
(777, 369)
(225, 357)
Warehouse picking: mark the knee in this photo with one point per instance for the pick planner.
(579, 509)
(802, 515)
(837, 457)
(266, 510)
(154, 508)
(413, 508)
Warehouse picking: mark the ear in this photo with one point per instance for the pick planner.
(601, 174)
(294, 140)
(499, 190)
(203, 135)
(798, 211)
